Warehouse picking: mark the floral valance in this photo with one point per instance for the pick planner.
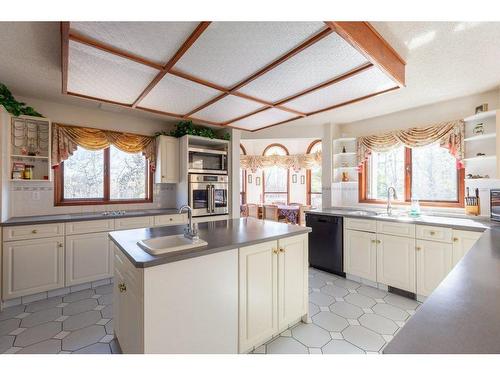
(296, 162)
(450, 135)
(66, 139)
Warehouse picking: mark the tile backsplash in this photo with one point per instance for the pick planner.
(38, 199)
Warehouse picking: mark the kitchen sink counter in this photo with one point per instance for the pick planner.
(47, 219)
(479, 225)
(220, 235)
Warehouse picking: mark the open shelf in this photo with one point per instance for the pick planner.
(477, 158)
(346, 139)
(480, 137)
(480, 116)
(344, 153)
(29, 157)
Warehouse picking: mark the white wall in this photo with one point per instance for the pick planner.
(30, 198)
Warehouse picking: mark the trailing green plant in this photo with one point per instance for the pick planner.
(13, 106)
(186, 127)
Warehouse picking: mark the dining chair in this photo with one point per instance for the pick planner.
(302, 213)
(253, 210)
(244, 210)
(271, 212)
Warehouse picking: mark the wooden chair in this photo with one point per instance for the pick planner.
(253, 210)
(271, 212)
(302, 214)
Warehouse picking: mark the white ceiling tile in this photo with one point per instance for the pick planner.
(324, 60)
(99, 74)
(365, 83)
(177, 95)
(262, 119)
(227, 109)
(154, 41)
(228, 52)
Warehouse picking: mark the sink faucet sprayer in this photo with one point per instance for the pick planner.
(389, 206)
(191, 230)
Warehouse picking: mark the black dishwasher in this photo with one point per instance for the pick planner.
(326, 243)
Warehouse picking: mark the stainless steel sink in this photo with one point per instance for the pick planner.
(169, 244)
(363, 213)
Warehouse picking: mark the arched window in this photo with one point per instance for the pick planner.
(275, 179)
(314, 195)
(243, 179)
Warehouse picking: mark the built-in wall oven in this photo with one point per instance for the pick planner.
(495, 204)
(208, 194)
(203, 160)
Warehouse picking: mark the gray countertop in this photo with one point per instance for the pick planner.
(220, 235)
(479, 225)
(47, 219)
(462, 316)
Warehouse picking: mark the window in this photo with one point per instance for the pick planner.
(103, 177)
(427, 173)
(243, 179)
(275, 179)
(314, 195)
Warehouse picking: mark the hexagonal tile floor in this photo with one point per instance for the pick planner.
(79, 322)
(347, 318)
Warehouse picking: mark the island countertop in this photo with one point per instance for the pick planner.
(220, 235)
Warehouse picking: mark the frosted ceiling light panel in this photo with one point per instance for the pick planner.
(227, 109)
(96, 73)
(177, 95)
(324, 60)
(362, 84)
(262, 119)
(153, 41)
(228, 52)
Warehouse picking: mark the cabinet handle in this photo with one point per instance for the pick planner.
(455, 239)
(374, 241)
(418, 248)
(171, 219)
(122, 287)
(34, 231)
(282, 250)
(432, 233)
(162, 176)
(59, 245)
(275, 251)
(378, 241)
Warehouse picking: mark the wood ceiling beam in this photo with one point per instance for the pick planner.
(276, 124)
(202, 26)
(363, 37)
(64, 56)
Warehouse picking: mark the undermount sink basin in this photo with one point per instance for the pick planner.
(363, 213)
(398, 215)
(169, 244)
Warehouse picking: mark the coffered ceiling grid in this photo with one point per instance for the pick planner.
(251, 103)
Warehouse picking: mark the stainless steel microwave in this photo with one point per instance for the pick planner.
(495, 204)
(202, 160)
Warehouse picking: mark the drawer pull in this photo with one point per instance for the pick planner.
(59, 245)
(432, 233)
(171, 219)
(275, 251)
(34, 231)
(418, 248)
(282, 250)
(374, 241)
(378, 241)
(122, 287)
(455, 239)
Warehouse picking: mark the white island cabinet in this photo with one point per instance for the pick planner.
(226, 302)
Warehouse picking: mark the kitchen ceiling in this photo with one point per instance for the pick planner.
(246, 75)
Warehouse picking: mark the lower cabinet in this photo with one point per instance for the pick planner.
(273, 288)
(434, 261)
(396, 262)
(88, 258)
(360, 254)
(462, 242)
(32, 266)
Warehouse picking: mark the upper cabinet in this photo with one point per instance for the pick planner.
(167, 160)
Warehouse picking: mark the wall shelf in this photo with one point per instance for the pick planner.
(480, 116)
(480, 137)
(344, 153)
(477, 158)
(29, 157)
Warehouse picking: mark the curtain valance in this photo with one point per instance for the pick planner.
(66, 139)
(450, 135)
(296, 162)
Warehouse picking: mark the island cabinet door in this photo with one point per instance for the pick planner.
(292, 280)
(462, 242)
(360, 254)
(88, 258)
(396, 262)
(434, 261)
(258, 284)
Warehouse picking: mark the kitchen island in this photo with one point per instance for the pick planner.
(248, 283)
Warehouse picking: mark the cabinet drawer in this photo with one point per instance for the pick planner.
(427, 232)
(126, 270)
(90, 226)
(134, 222)
(27, 232)
(176, 219)
(361, 224)
(397, 229)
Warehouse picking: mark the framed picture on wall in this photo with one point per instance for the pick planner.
(249, 178)
(257, 181)
(302, 179)
(294, 178)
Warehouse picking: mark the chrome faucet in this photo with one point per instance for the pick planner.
(191, 230)
(389, 206)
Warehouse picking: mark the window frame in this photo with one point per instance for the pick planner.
(59, 199)
(243, 192)
(287, 192)
(363, 188)
(309, 191)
